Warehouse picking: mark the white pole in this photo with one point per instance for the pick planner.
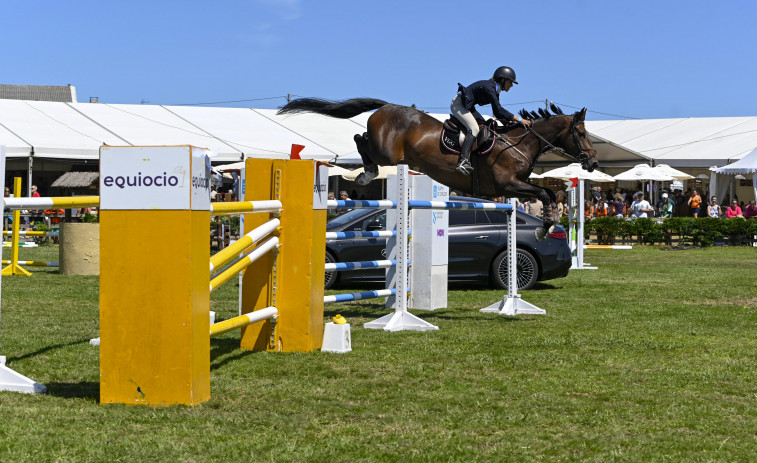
(9, 379)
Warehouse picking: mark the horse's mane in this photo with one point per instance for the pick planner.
(541, 113)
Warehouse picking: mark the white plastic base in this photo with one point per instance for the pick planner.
(95, 341)
(513, 305)
(16, 382)
(400, 321)
(575, 265)
(336, 338)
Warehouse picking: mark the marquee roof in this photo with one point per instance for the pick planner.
(77, 130)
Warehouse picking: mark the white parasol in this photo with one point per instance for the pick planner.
(575, 170)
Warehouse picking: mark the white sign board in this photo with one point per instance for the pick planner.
(154, 177)
(320, 187)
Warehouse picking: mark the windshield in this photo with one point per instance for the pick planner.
(348, 217)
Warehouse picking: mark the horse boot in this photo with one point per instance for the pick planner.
(463, 165)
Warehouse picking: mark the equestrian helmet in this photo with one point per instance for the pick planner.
(503, 73)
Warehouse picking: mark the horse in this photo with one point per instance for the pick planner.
(400, 133)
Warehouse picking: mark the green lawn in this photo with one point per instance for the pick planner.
(653, 357)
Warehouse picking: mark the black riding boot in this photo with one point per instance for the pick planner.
(463, 165)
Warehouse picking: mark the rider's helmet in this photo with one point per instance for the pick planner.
(504, 73)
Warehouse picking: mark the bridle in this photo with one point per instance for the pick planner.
(583, 155)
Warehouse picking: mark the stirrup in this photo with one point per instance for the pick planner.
(464, 167)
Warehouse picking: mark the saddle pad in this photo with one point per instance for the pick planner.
(451, 139)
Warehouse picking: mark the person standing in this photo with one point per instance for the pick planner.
(695, 203)
(35, 193)
(534, 207)
(666, 208)
(482, 93)
(641, 206)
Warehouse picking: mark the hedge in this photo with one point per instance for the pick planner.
(690, 231)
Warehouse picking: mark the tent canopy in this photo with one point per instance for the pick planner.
(746, 165)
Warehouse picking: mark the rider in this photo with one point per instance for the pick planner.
(481, 93)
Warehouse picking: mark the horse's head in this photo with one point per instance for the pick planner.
(578, 145)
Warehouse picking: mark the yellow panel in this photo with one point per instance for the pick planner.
(300, 268)
(154, 307)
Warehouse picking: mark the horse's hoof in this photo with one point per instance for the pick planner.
(540, 234)
(365, 178)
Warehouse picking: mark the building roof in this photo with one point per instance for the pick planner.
(76, 180)
(60, 93)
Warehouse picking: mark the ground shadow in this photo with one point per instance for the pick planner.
(46, 349)
(88, 390)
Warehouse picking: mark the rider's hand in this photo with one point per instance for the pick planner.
(525, 122)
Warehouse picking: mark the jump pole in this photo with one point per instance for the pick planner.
(576, 220)
(398, 250)
(512, 303)
(154, 326)
(11, 380)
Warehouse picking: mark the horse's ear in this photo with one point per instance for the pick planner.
(580, 116)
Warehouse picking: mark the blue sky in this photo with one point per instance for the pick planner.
(639, 59)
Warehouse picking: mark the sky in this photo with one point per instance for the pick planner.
(620, 59)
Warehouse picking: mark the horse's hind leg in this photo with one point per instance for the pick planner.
(371, 168)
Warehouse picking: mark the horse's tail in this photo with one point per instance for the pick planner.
(339, 109)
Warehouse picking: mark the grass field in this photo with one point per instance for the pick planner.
(653, 357)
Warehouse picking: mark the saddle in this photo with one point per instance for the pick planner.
(453, 134)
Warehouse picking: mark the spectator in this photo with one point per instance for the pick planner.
(519, 205)
(618, 206)
(534, 207)
(734, 210)
(344, 197)
(713, 209)
(695, 203)
(562, 209)
(681, 208)
(35, 193)
(7, 192)
(641, 207)
(588, 210)
(601, 209)
(213, 193)
(666, 208)
(750, 210)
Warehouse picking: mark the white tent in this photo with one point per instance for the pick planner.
(575, 170)
(675, 173)
(642, 172)
(745, 166)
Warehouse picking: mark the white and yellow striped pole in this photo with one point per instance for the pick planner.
(242, 321)
(14, 268)
(154, 337)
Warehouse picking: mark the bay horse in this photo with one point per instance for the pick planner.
(400, 133)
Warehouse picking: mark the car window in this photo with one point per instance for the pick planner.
(372, 222)
(462, 217)
(499, 217)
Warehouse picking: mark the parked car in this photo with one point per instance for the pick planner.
(477, 248)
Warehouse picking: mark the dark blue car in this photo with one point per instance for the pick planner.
(477, 245)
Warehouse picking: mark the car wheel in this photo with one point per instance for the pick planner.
(330, 276)
(528, 269)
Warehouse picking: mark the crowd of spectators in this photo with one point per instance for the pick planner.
(692, 203)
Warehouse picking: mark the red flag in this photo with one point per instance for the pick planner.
(296, 149)
(574, 181)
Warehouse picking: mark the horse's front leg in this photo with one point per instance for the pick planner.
(517, 188)
(370, 168)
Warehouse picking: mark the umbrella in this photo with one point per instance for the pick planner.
(642, 172)
(576, 171)
(667, 170)
(535, 175)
